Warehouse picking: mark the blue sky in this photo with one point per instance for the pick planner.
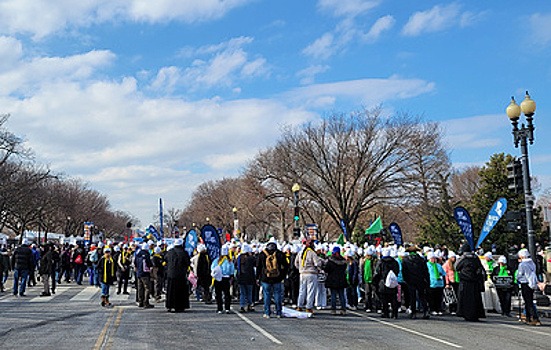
(147, 99)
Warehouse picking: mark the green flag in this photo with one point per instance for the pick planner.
(375, 227)
(340, 240)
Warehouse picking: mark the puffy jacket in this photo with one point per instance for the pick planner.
(415, 272)
(142, 258)
(245, 265)
(46, 264)
(227, 267)
(336, 272)
(450, 272)
(106, 269)
(384, 266)
(261, 267)
(22, 258)
(437, 274)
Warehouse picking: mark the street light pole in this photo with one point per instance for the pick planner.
(523, 135)
(296, 217)
(235, 223)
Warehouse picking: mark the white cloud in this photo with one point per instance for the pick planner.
(41, 18)
(322, 47)
(307, 75)
(540, 27)
(368, 92)
(347, 8)
(483, 131)
(438, 18)
(380, 26)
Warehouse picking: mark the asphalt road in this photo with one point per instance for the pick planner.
(73, 319)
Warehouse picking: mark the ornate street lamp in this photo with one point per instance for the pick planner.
(296, 217)
(235, 223)
(523, 135)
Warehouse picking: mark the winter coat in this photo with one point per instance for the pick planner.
(353, 272)
(450, 272)
(336, 272)
(46, 264)
(107, 269)
(415, 272)
(308, 262)
(384, 266)
(261, 267)
(436, 276)
(203, 270)
(22, 258)
(177, 263)
(227, 267)
(470, 268)
(142, 259)
(245, 265)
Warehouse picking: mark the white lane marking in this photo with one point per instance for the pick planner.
(119, 297)
(526, 329)
(40, 299)
(260, 329)
(85, 294)
(409, 330)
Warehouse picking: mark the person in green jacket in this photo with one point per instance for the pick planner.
(367, 270)
(504, 290)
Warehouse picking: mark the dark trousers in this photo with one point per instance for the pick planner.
(392, 300)
(528, 296)
(352, 295)
(143, 291)
(421, 293)
(122, 280)
(222, 291)
(370, 298)
(504, 296)
(435, 299)
(334, 293)
(405, 295)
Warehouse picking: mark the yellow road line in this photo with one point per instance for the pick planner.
(101, 338)
(114, 330)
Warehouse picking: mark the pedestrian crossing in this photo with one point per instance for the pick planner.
(64, 293)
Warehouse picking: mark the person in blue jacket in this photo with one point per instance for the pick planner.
(436, 290)
(222, 286)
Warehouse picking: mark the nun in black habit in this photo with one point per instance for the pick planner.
(471, 285)
(177, 290)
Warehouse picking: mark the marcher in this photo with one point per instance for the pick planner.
(22, 262)
(106, 274)
(204, 278)
(271, 269)
(222, 286)
(416, 275)
(45, 269)
(308, 264)
(471, 281)
(336, 279)
(527, 278)
(367, 265)
(387, 293)
(158, 273)
(452, 279)
(436, 290)
(503, 281)
(142, 266)
(177, 267)
(245, 266)
(124, 262)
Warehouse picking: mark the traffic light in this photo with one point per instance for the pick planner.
(515, 181)
(297, 214)
(296, 232)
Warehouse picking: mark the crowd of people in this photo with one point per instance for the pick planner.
(384, 279)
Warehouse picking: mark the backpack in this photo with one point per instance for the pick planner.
(93, 256)
(272, 268)
(391, 280)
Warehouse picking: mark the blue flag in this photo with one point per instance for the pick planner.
(161, 216)
(152, 231)
(190, 242)
(344, 230)
(465, 223)
(497, 211)
(211, 238)
(396, 233)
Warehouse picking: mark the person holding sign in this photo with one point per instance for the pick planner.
(503, 281)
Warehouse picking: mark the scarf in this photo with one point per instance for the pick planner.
(304, 255)
(435, 269)
(105, 261)
(368, 273)
(503, 272)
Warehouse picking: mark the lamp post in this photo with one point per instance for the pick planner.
(523, 135)
(296, 217)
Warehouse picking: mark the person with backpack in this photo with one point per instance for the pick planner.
(271, 269)
(91, 262)
(245, 266)
(386, 280)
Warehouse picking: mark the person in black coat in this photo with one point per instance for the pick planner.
(244, 265)
(416, 275)
(22, 262)
(471, 284)
(45, 269)
(387, 295)
(336, 279)
(204, 278)
(177, 267)
(106, 269)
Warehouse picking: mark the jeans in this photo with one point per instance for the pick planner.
(245, 295)
(275, 290)
(340, 293)
(104, 289)
(79, 273)
(24, 274)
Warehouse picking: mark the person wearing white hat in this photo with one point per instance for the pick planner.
(222, 269)
(367, 269)
(308, 264)
(177, 266)
(157, 273)
(451, 281)
(386, 291)
(124, 261)
(502, 277)
(246, 279)
(353, 272)
(436, 290)
(142, 266)
(526, 277)
(203, 273)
